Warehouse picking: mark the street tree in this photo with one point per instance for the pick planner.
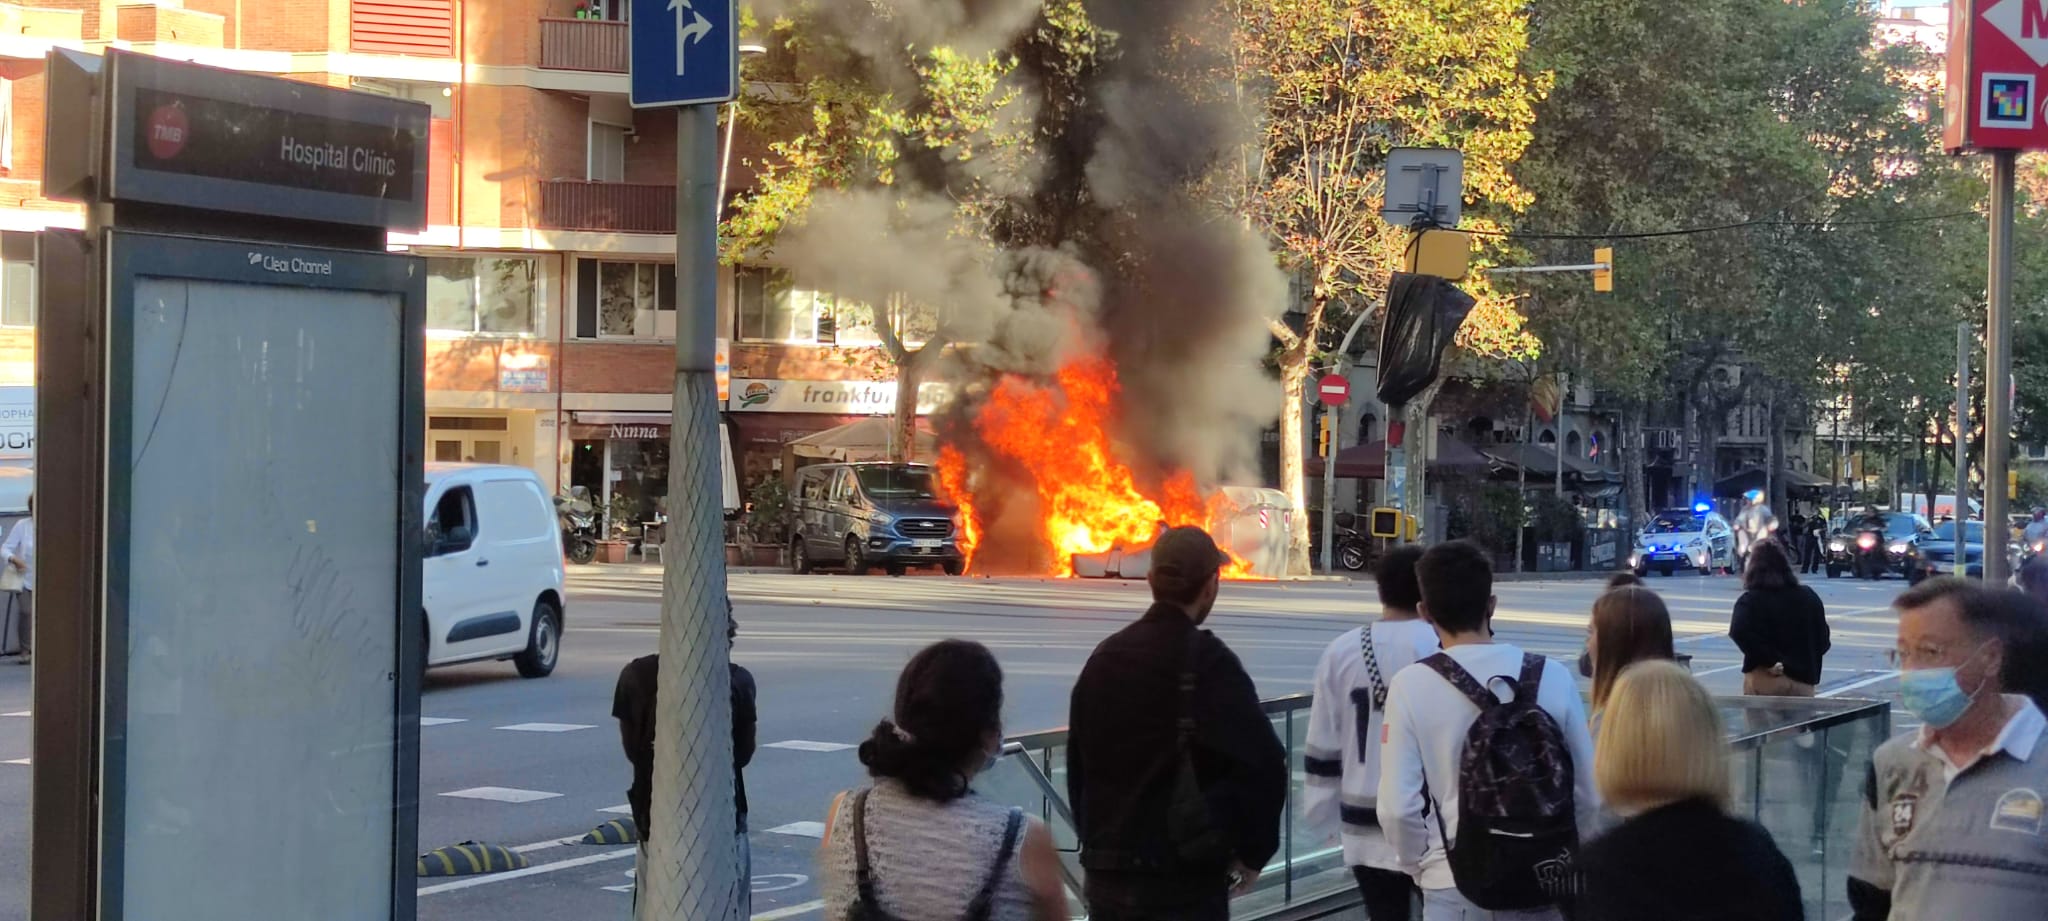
(1336, 84)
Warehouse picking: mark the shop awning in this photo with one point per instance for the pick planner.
(1797, 482)
(866, 440)
(1369, 461)
(608, 417)
(1541, 461)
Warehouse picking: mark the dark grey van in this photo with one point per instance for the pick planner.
(859, 516)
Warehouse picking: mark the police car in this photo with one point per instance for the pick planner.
(1696, 538)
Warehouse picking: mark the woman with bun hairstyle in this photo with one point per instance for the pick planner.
(918, 844)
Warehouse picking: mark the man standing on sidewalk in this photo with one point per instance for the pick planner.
(1953, 820)
(1175, 775)
(633, 706)
(1342, 757)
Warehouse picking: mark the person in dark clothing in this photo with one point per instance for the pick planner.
(1795, 540)
(1812, 543)
(1678, 853)
(633, 705)
(1124, 753)
(2026, 661)
(1780, 626)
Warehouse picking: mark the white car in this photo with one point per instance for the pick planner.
(491, 568)
(1694, 538)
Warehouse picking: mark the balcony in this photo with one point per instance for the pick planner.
(608, 207)
(596, 45)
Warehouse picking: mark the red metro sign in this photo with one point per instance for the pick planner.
(1997, 75)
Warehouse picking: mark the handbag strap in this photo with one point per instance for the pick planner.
(863, 871)
(978, 910)
(1372, 669)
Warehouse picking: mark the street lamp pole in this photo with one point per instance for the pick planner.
(1336, 418)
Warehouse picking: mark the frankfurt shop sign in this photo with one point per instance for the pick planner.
(1997, 72)
(838, 397)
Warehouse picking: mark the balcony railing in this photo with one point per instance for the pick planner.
(583, 44)
(614, 207)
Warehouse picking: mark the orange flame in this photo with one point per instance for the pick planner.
(1089, 501)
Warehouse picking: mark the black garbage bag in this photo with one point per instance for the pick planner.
(1423, 314)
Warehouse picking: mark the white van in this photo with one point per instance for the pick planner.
(491, 577)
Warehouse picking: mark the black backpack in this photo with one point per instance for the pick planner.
(1517, 822)
(867, 907)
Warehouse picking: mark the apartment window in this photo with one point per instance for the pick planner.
(480, 295)
(17, 279)
(607, 153)
(773, 308)
(635, 300)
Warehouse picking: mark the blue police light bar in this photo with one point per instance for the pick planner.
(1702, 507)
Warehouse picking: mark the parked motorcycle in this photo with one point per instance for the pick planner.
(1354, 549)
(578, 519)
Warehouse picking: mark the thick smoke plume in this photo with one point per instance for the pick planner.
(1104, 245)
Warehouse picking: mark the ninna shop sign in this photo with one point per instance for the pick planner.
(837, 397)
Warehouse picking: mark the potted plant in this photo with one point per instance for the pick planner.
(619, 528)
(764, 526)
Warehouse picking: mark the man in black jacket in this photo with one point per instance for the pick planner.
(1124, 754)
(633, 700)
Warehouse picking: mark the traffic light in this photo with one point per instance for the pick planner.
(2012, 485)
(1603, 279)
(1422, 315)
(1323, 437)
(1444, 253)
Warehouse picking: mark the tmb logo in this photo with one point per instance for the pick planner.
(2026, 23)
(168, 131)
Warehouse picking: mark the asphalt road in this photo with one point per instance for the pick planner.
(825, 651)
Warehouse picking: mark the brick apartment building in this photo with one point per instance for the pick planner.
(551, 298)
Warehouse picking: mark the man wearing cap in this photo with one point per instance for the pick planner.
(1175, 775)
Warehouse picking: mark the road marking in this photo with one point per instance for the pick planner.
(544, 845)
(502, 794)
(25, 761)
(545, 727)
(801, 830)
(438, 721)
(803, 745)
(557, 866)
(621, 809)
(793, 911)
(1716, 671)
(18, 713)
(1844, 689)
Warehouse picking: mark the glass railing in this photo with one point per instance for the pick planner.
(1798, 764)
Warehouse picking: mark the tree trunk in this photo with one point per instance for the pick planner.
(1774, 452)
(1634, 456)
(1293, 409)
(910, 372)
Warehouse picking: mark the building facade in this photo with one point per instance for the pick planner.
(550, 248)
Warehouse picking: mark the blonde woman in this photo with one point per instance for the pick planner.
(1662, 765)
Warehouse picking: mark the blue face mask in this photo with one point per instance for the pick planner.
(1934, 695)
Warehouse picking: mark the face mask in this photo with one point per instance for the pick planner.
(1934, 695)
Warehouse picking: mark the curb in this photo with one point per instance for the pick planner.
(1575, 576)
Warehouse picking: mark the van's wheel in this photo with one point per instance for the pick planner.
(856, 560)
(955, 567)
(799, 558)
(543, 643)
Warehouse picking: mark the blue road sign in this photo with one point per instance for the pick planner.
(684, 52)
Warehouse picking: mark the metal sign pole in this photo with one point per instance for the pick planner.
(1330, 481)
(1998, 360)
(1962, 506)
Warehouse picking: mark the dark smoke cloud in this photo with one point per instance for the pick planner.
(1133, 263)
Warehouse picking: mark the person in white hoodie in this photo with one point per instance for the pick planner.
(1342, 755)
(1428, 719)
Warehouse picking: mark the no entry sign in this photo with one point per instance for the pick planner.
(1997, 73)
(1333, 390)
